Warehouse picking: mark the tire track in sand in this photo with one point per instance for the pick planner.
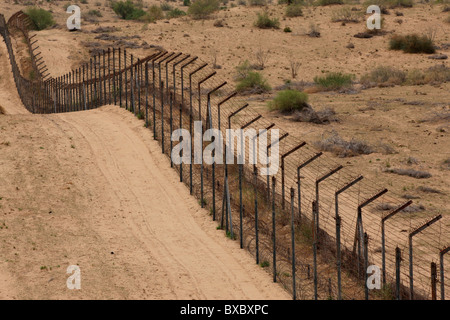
(197, 261)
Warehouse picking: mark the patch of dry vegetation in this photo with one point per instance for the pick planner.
(409, 172)
(343, 148)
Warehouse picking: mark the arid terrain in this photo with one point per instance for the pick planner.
(71, 184)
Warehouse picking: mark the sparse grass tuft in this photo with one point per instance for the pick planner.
(346, 15)
(342, 148)
(265, 264)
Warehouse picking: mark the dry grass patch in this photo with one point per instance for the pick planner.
(342, 148)
(410, 173)
(308, 114)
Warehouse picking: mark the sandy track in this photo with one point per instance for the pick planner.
(9, 98)
(127, 221)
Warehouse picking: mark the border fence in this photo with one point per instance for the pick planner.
(315, 225)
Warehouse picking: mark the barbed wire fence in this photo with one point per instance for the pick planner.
(315, 225)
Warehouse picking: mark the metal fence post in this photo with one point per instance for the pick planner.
(366, 265)
(294, 292)
(383, 236)
(411, 235)
(318, 181)
(338, 231)
(255, 190)
(433, 280)
(398, 260)
(274, 238)
(283, 156)
(314, 212)
(441, 270)
(299, 190)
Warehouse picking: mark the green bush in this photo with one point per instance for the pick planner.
(412, 44)
(153, 13)
(294, 10)
(329, 2)
(289, 100)
(127, 10)
(174, 13)
(334, 81)
(42, 19)
(186, 3)
(201, 9)
(287, 29)
(253, 82)
(263, 21)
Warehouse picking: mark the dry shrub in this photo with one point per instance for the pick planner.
(437, 74)
(342, 148)
(262, 56)
(383, 76)
(314, 31)
(428, 190)
(308, 114)
(346, 15)
(410, 172)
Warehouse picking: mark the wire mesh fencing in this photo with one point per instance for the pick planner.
(320, 229)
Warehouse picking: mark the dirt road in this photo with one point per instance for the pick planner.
(93, 189)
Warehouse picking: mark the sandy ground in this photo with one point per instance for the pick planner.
(9, 100)
(92, 189)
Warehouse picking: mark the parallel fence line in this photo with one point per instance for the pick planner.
(311, 203)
